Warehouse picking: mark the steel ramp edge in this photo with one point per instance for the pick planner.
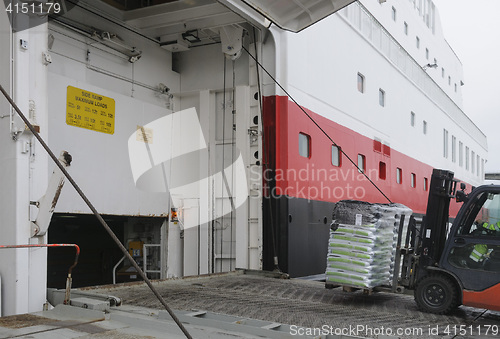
(220, 323)
(57, 322)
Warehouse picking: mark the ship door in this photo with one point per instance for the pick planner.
(221, 222)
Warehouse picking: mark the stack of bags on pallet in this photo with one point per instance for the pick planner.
(362, 244)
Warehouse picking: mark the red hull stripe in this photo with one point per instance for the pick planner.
(316, 178)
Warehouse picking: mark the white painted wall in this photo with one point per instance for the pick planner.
(23, 168)
(101, 164)
(101, 161)
(434, 40)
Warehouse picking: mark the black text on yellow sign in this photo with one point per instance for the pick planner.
(90, 110)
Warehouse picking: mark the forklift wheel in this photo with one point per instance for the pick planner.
(436, 294)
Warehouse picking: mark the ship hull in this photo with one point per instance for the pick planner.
(300, 192)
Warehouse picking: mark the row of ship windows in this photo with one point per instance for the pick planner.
(472, 161)
(305, 151)
(361, 89)
(382, 97)
(469, 165)
(412, 122)
(427, 52)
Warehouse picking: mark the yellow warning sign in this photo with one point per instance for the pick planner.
(90, 110)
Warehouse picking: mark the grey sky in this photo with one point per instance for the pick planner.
(473, 31)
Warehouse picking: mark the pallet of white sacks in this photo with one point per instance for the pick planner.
(362, 244)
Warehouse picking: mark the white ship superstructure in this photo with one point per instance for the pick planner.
(199, 160)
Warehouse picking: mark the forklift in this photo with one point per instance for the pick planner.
(447, 267)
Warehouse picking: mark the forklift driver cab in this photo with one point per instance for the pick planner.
(482, 256)
(482, 225)
(439, 266)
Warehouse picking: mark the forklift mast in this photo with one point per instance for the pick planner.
(435, 222)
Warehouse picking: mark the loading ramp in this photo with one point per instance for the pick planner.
(307, 304)
(243, 304)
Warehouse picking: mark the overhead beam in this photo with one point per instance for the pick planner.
(178, 17)
(175, 6)
(164, 16)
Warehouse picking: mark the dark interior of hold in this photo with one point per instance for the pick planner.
(98, 255)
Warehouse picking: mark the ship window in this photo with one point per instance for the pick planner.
(335, 156)
(477, 162)
(406, 28)
(304, 145)
(361, 163)
(460, 153)
(393, 13)
(361, 83)
(453, 148)
(466, 158)
(413, 180)
(412, 119)
(472, 161)
(386, 150)
(399, 175)
(425, 127)
(426, 184)
(449, 80)
(445, 143)
(427, 53)
(456, 87)
(418, 42)
(381, 97)
(382, 170)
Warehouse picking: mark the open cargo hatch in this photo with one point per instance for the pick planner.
(295, 15)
